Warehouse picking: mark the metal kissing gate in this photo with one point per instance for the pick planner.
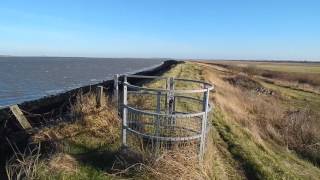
(163, 114)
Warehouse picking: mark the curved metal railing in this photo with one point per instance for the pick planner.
(158, 118)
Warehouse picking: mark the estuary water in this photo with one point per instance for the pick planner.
(28, 78)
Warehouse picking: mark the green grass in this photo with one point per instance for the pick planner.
(295, 68)
(261, 161)
(296, 98)
(93, 154)
(257, 162)
(280, 67)
(85, 172)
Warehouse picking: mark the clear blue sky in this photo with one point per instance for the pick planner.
(228, 29)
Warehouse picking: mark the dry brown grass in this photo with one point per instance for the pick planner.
(30, 165)
(100, 122)
(179, 165)
(24, 165)
(301, 133)
(61, 162)
(172, 164)
(89, 123)
(305, 78)
(302, 80)
(176, 163)
(267, 117)
(240, 104)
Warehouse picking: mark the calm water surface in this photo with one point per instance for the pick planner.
(27, 78)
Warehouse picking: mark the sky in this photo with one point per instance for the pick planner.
(183, 29)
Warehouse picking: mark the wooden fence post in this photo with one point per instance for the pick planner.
(99, 96)
(20, 117)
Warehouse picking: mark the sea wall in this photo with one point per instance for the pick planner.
(47, 109)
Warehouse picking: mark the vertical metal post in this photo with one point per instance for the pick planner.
(166, 107)
(124, 110)
(171, 102)
(204, 121)
(171, 96)
(157, 122)
(99, 96)
(174, 99)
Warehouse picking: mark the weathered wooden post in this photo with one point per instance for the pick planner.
(20, 117)
(99, 97)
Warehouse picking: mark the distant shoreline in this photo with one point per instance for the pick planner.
(72, 57)
(178, 59)
(248, 60)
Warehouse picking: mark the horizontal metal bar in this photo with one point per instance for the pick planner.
(161, 138)
(165, 90)
(210, 86)
(199, 100)
(146, 77)
(176, 127)
(183, 114)
(180, 112)
(146, 92)
(188, 97)
(189, 115)
(146, 89)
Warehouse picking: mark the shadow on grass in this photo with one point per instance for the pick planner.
(100, 158)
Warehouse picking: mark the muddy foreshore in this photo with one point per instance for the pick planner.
(45, 111)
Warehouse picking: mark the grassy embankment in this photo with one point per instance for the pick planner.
(299, 102)
(89, 148)
(255, 134)
(262, 128)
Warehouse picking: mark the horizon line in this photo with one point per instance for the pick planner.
(168, 58)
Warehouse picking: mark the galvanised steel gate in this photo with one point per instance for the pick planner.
(164, 113)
